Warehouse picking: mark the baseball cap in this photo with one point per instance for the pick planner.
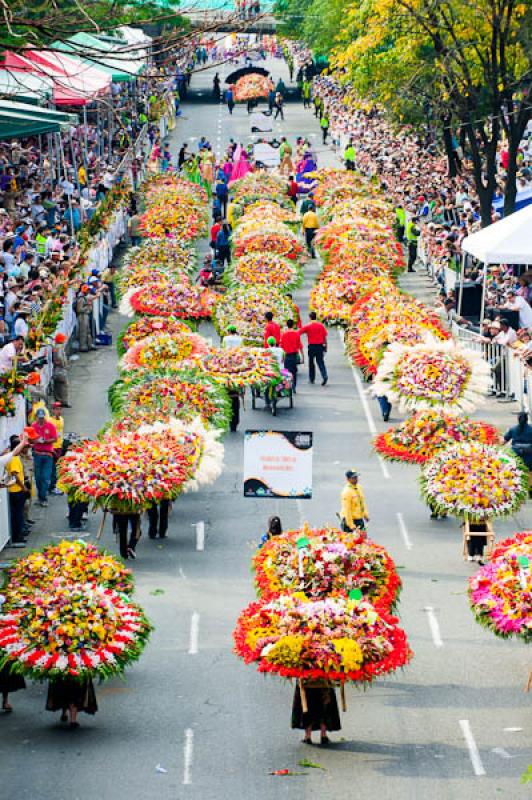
(351, 474)
(40, 412)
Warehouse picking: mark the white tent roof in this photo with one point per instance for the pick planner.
(14, 83)
(508, 241)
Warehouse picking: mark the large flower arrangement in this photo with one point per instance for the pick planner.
(239, 367)
(333, 295)
(251, 87)
(125, 473)
(173, 254)
(476, 481)
(184, 394)
(72, 630)
(520, 544)
(283, 243)
(157, 187)
(168, 300)
(367, 346)
(325, 561)
(73, 561)
(11, 385)
(335, 639)
(426, 433)
(140, 275)
(434, 375)
(264, 269)
(200, 441)
(269, 210)
(165, 351)
(256, 186)
(501, 595)
(142, 327)
(245, 307)
(182, 218)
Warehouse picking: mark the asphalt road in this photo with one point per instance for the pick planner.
(190, 720)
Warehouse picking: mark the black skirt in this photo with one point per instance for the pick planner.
(322, 709)
(10, 681)
(65, 692)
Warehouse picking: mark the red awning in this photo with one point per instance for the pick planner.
(75, 83)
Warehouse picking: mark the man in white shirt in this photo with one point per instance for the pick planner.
(517, 303)
(67, 187)
(507, 336)
(232, 339)
(9, 353)
(21, 326)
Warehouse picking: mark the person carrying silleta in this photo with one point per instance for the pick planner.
(354, 512)
(316, 334)
(158, 518)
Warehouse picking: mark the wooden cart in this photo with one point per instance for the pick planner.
(471, 529)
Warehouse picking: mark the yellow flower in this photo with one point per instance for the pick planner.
(350, 653)
(286, 651)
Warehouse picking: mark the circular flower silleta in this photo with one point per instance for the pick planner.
(257, 186)
(271, 211)
(165, 352)
(162, 253)
(252, 86)
(239, 367)
(336, 639)
(184, 394)
(142, 327)
(281, 242)
(366, 346)
(74, 561)
(71, 630)
(501, 595)
(433, 375)
(326, 561)
(135, 277)
(125, 473)
(168, 300)
(265, 269)
(520, 544)
(475, 481)
(426, 433)
(245, 307)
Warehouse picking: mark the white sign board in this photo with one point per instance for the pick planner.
(278, 464)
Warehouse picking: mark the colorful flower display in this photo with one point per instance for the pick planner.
(475, 480)
(142, 327)
(251, 87)
(271, 211)
(337, 639)
(264, 269)
(281, 242)
(239, 367)
(165, 352)
(184, 394)
(245, 307)
(366, 347)
(433, 375)
(72, 561)
(11, 385)
(164, 253)
(71, 629)
(125, 473)
(501, 595)
(426, 433)
(520, 544)
(326, 561)
(140, 275)
(168, 300)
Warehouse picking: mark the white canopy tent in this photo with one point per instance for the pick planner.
(508, 241)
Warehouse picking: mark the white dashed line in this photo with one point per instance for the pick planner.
(434, 626)
(474, 755)
(404, 531)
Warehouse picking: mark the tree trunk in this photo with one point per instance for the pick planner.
(448, 144)
(484, 157)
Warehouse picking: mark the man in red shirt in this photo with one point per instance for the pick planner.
(271, 329)
(215, 229)
(43, 454)
(317, 346)
(293, 349)
(293, 190)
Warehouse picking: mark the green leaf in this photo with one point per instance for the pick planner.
(310, 764)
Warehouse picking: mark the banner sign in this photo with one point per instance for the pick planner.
(278, 464)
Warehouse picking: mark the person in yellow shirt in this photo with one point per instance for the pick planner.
(82, 176)
(59, 424)
(354, 511)
(310, 225)
(17, 496)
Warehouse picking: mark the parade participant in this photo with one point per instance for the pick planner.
(293, 190)
(316, 334)
(275, 528)
(59, 424)
(412, 234)
(121, 522)
(322, 712)
(223, 249)
(271, 329)
(293, 350)
(296, 309)
(83, 314)
(16, 490)
(385, 406)
(285, 154)
(354, 513)
(520, 437)
(230, 99)
(70, 696)
(310, 225)
(43, 454)
(232, 339)
(279, 103)
(60, 371)
(324, 125)
(234, 397)
(158, 519)
(349, 156)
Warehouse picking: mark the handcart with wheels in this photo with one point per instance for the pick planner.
(271, 395)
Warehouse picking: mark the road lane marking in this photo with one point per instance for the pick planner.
(434, 626)
(404, 531)
(474, 755)
(200, 535)
(300, 512)
(367, 410)
(188, 756)
(193, 646)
